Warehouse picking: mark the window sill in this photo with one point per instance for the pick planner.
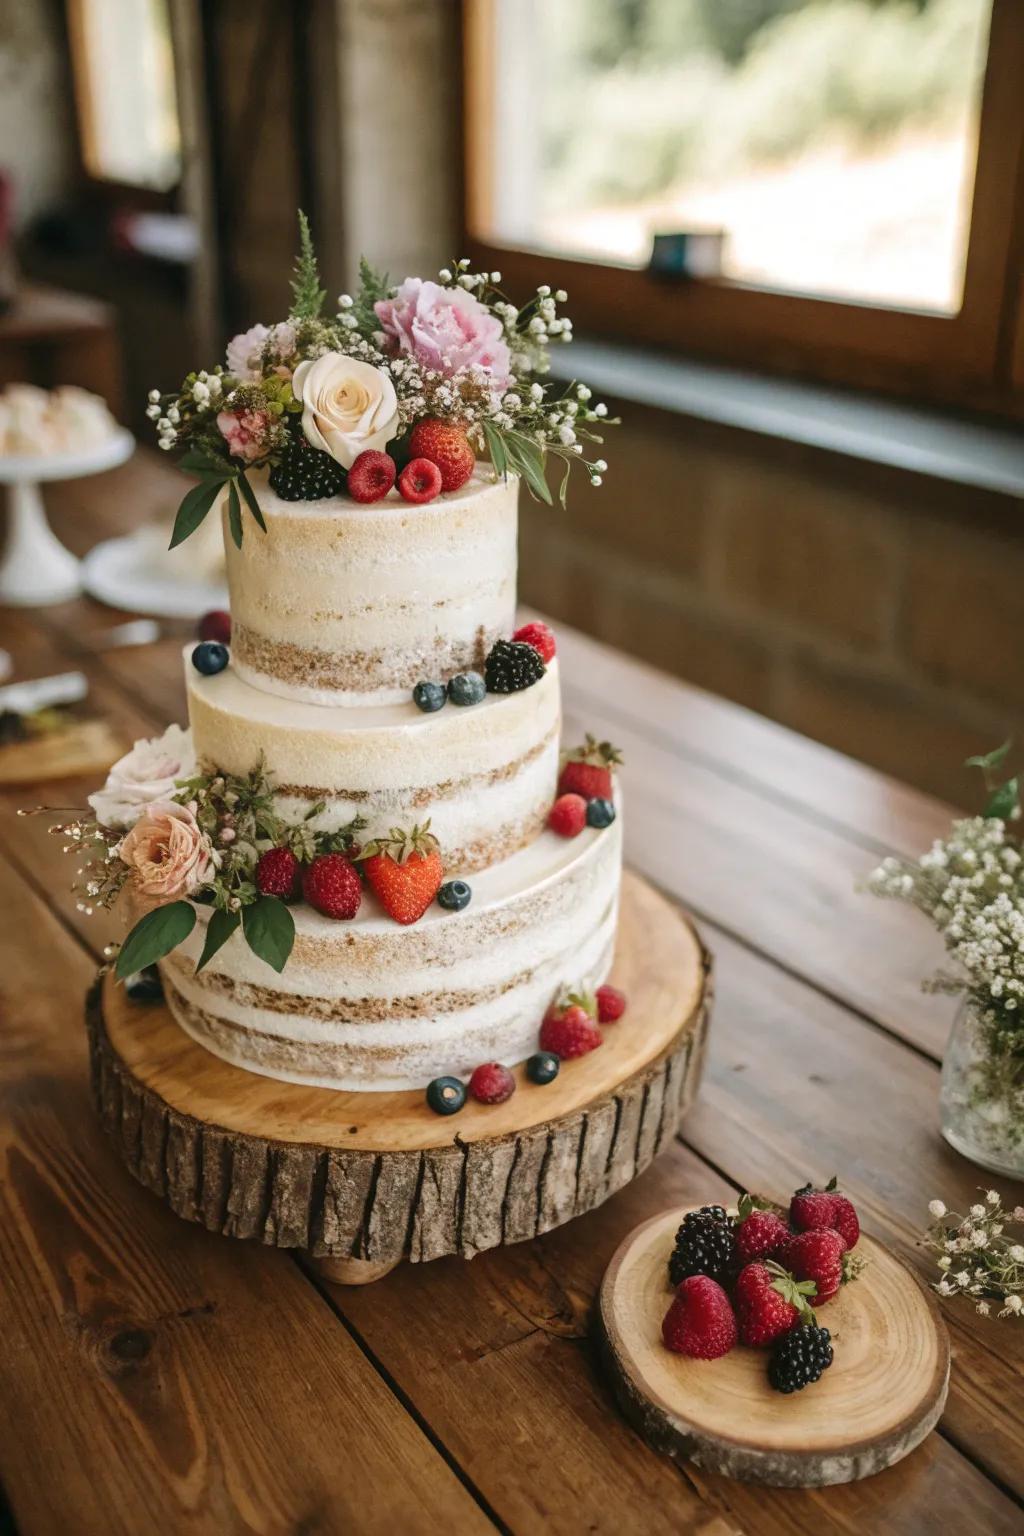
(966, 453)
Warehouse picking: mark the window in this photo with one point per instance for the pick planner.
(123, 66)
(855, 161)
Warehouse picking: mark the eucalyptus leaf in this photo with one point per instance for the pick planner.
(218, 930)
(496, 449)
(269, 930)
(250, 500)
(154, 936)
(193, 509)
(235, 515)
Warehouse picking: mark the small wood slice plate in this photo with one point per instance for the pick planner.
(883, 1393)
(82, 746)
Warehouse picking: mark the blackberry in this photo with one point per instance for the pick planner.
(306, 474)
(705, 1245)
(511, 666)
(799, 1358)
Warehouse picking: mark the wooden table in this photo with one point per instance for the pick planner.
(154, 1377)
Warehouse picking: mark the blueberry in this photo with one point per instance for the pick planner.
(210, 657)
(145, 986)
(467, 688)
(543, 1068)
(454, 895)
(600, 813)
(446, 1095)
(429, 696)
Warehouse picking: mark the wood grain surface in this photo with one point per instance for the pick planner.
(470, 1395)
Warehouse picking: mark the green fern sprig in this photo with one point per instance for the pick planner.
(307, 295)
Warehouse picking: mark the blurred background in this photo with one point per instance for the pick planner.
(792, 233)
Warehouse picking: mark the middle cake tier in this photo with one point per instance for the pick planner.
(484, 775)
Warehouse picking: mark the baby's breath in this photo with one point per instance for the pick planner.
(976, 1257)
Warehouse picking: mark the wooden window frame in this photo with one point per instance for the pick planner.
(975, 357)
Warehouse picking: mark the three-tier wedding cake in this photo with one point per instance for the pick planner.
(368, 865)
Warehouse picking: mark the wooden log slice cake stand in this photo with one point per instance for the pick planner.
(363, 1180)
(883, 1393)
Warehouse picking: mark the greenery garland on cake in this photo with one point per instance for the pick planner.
(434, 372)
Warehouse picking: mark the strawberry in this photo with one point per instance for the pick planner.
(372, 475)
(405, 871)
(492, 1083)
(700, 1322)
(569, 1028)
(540, 637)
(331, 885)
(814, 1209)
(769, 1302)
(760, 1234)
(279, 873)
(446, 445)
(419, 481)
(587, 770)
(568, 815)
(816, 1256)
(611, 1004)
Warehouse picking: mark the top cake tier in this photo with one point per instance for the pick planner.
(339, 603)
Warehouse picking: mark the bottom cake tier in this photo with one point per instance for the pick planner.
(369, 1005)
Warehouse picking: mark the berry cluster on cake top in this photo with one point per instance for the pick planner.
(406, 385)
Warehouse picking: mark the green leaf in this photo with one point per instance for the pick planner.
(1004, 803)
(193, 509)
(269, 930)
(993, 759)
(235, 515)
(250, 500)
(154, 936)
(197, 461)
(496, 449)
(528, 459)
(563, 489)
(307, 295)
(218, 930)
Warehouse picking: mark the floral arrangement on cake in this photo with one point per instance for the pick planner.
(405, 384)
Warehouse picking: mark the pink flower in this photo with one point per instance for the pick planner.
(245, 432)
(446, 329)
(243, 354)
(146, 774)
(167, 853)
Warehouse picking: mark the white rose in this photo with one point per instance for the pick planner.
(144, 775)
(348, 406)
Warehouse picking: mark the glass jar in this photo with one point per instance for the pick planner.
(982, 1101)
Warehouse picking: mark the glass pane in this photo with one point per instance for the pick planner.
(124, 87)
(832, 142)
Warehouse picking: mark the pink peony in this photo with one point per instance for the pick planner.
(446, 329)
(245, 432)
(147, 773)
(243, 354)
(167, 853)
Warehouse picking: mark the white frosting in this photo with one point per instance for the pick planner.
(339, 603)
(485, 775)
(372, 1005)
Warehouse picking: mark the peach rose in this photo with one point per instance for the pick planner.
(347, 406)
(167, 853)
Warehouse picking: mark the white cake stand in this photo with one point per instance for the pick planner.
(36, 568)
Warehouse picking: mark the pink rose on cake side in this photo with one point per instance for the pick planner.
(167, 853)
(348, 406)
(149, 772)
(247, 433)
(445, 329)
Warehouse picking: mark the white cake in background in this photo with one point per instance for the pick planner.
(336, 613)
(50, 422)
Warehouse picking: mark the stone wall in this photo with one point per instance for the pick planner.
(878, 612)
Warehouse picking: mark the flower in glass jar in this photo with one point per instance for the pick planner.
(166, 852)
(147, 773)
(446, 329)
(348, 406)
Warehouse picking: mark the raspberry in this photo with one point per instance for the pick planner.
(371, 476)
(800, 1359)
(768, 1301)
(419, 481)
(568, 1031)
(816, 1256)
(813, 1209)
(492, 1083)
(611, 1004)
(279, 873)
(512, 666)
(568, 815)
(540, 637)
(761, 1235)
(304, 473)
(331, 885)
(216, 625)
(844, 1220)
(700, 1322)
(704, 1246)
(446, 445)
